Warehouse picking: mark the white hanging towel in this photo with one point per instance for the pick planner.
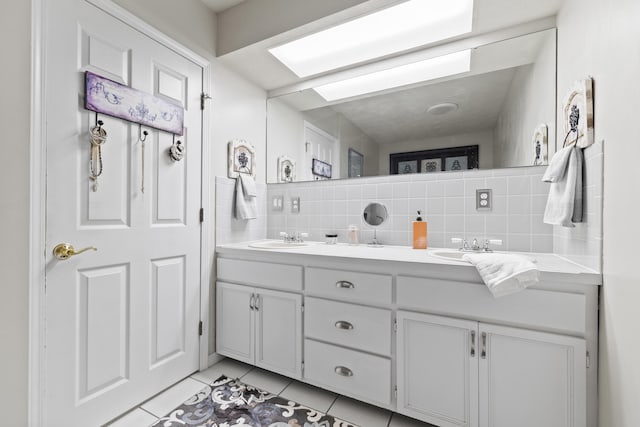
(245, 203)
(504, 274)
(564, 204)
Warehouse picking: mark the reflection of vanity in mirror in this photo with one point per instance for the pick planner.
(498, 114)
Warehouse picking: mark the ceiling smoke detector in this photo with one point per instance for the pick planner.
(444, 108)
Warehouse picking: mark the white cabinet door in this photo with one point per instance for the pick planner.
(260, 327)
(531, 379)
(279, 332)
(234, 321)
(438, 369)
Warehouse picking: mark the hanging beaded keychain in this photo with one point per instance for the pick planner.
(98, 137)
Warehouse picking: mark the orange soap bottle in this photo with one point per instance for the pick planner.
(419, 233)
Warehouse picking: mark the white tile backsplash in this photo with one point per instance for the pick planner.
(583, 244)
(447, 201)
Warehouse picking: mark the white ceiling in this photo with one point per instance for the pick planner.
(257, 65)
(220, 5)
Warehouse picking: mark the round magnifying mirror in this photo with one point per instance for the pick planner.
(375, 214)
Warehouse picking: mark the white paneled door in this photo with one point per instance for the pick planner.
(122, 321)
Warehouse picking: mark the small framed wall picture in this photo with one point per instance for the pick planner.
(321, 169)
(540, 145)
(431, 165)
(577, 114)
(408, 166)
(356, 164)
(456, 163)
(241, 158)
(286, 169)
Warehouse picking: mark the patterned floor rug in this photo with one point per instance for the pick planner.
(228, 402)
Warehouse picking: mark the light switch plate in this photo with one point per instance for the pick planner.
(295, 205)
(483, 199)
(277, 203)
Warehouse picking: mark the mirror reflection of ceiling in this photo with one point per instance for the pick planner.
(257, 65)
(401, 115)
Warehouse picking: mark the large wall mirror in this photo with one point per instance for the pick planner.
(505, 107)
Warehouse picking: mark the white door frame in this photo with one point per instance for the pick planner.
(38, 184)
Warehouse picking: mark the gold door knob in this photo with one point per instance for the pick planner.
(65, 251)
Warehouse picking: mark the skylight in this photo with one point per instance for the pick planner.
(428, 69)
(395, 29)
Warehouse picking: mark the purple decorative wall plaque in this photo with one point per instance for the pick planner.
(114, 99)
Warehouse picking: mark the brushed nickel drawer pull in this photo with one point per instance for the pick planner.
(344, 284)
(341, 324)
(344, 371)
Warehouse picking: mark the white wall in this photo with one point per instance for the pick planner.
(352, 137)
(529, 97)
(189, 22)
(600, 39)
(285, 136)
(15, 31)
(483, 138)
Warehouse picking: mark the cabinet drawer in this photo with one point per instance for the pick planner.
(349, 285)
(351, 325)
(348, 371)
(279, 276)
(535, 307)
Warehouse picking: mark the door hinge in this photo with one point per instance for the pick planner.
(588, 360)
(201, 215)
(200, 328)
(395, 392)
(302, 366)
(203, 98)
(395, 325)
(302, 307)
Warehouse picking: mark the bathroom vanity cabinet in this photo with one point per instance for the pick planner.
(402, 330)
(261, 326)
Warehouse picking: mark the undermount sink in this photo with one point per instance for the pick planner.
(277, 244)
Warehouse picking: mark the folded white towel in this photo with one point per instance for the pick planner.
(564, 204)
(245, 205)
(504, 274)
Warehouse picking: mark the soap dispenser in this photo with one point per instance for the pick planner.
(419, 233)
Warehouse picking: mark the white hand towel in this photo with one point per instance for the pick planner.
(248, 185)
(564, 204)
(504, 274)
(245, 205)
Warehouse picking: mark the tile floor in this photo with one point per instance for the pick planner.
(325, 401)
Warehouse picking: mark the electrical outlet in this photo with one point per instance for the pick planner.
(483, 199)
(295, 205)
(277, 203)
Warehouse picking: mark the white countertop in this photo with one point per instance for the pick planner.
(550, 265)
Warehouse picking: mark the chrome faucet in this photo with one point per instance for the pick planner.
(295, 237)
(475, 245)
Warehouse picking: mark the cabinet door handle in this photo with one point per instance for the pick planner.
(256, 304)
(251, 307)
(343, 371)
(483, 352)
(344, 284)
(341, 324)
(473, 343)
